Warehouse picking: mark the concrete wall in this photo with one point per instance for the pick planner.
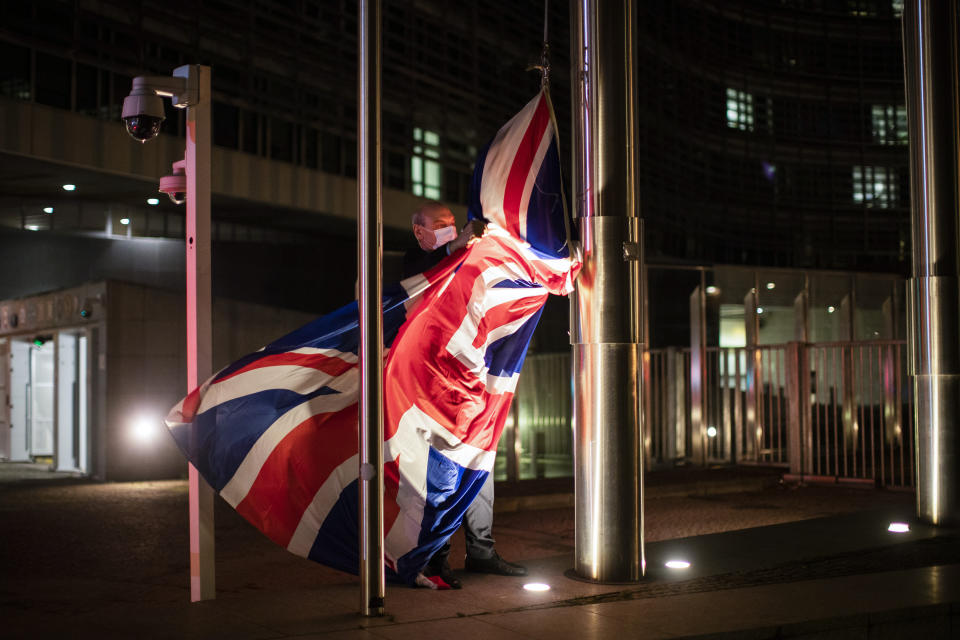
(305, 277)
(146, 366)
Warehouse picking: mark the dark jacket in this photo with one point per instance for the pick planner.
(417, 260)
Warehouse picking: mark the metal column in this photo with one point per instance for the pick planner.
(606, 312)
(930, 61)
(369, 222)
(197, 155)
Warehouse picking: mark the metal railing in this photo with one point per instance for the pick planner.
(860, 420)
(541, 443)
(839, 410)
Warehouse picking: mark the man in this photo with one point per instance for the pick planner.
(435, 229)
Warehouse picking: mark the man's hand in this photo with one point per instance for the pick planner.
(471, 232)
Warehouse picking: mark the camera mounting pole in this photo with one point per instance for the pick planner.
(188, 88)
(198, 101)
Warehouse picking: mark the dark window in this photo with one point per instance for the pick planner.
(310, 159)
(330, 152)
(454, 186)
(14, 71)
(87, 85)
(226, 125)
(53, 81)
(250, 133)
(395, 170)
(350, 158)
(120, 90)
(281, 140)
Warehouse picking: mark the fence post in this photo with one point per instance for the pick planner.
(674, 432)
(751, 448)
(698, 369)
(512, 434)
(795, 360)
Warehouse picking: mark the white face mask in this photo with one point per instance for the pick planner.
(443, 236)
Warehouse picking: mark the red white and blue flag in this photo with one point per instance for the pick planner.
(275, 433)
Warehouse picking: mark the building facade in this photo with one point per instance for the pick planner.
(774, 133)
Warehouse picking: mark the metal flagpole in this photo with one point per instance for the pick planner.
(199, 331)
(606, 309)
(930, 53)
(369, 222)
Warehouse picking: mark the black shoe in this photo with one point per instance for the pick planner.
(495, 564)
(445, 573)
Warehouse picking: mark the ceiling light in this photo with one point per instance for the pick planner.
(711, 290)
(771, 285)
(831, 309)
(48, 209)
(124, 220)
(32, 227)
(759, 310)
(69, 187)
(153, 201)
(711, 432)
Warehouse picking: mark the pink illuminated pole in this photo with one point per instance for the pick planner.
(199, 325)
(188, 88)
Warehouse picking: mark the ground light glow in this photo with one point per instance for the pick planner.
(536, 586)
(677, 564)
(143, 429)
(898, 527)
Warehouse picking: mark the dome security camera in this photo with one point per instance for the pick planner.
(175, 184)
(143, 109)
(143, 114)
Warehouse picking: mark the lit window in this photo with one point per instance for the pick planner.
(739, 110)
(889, 123)
(875, 187)
(425, 164)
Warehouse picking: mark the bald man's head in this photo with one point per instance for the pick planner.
(430, 217)
(432, 211)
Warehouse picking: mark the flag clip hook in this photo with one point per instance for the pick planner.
(544, 66)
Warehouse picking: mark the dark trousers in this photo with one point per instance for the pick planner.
(477, 527)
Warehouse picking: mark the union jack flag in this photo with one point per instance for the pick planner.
(275, 433)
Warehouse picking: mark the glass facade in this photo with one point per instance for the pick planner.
(284, 74)
(774, 133)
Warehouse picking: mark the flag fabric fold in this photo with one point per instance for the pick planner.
(275, 433)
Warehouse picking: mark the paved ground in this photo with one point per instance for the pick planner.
(111, 560)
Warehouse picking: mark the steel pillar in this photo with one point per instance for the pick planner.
(607, 306)
(930, 62)
(369, 258)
